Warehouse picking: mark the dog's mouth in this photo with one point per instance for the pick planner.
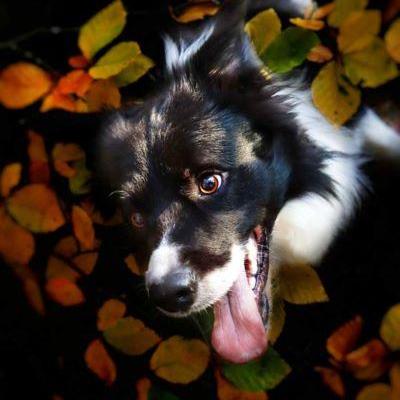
(238, 333)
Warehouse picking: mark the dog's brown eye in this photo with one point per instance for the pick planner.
(137, 219)
(210, 183)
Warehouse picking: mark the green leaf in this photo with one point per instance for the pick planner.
(115, 60)
(134, 71)
(289, 49)
(390, 328)
(343, 9)
(79, 184)
(101, 29)
(259, 375)
(155, 393)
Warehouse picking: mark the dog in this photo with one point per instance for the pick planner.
(222, 169)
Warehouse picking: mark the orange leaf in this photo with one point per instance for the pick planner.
(320, 54)
(63, 154)
(78, 62)
(310, 24)
(109, 313)
(22, 83)
(58, 100)
(83, 228)
(64, 169)
(195, 12)
(98, 361)
(103, 94)
(36, 207)
(86, 262)
(17, 245)
(64, 292)
(332, 380)
(343, 340)
(58, 268)
(143, 386)
(10, 177)
(131, 263)
(67, 247)
(75, 82)
(324, 11)
(39, 171)
(395, 381)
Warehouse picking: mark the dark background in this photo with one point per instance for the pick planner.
(41, 357)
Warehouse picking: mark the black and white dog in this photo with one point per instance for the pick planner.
(222, 164)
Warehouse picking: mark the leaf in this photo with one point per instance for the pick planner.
(300, 284)
(36, 208)
(17, 245)
(22, 83)
(180, 360)
(342, 10)
(376, 391)
(276, 319)
(143, 386)
(323, 11)
(394, 375)
(320, 54)
(9, 178)
(130, 336)
(263, 29)
(289, 49)
(344, 339)
(80, 183)
(332, 380)
(57, 100)
(115, 60)
(258, 375)
(64, 292)
(133, 266)
(226, 391)
(39, 171)
(334, 97)
(98, 361)
(63, 154)
(134, 71)
(392, 40)
(195, 12)
(359, 30)
(58, 268)
(78, 62)
(310, 24)
(67, 247)
(83, 228)
(102, 28)
(109, 314)
(103, 94)
(86, 262)
(75, 82)
(390, 328)
(371, 66)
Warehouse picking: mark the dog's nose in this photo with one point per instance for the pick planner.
(175, 293)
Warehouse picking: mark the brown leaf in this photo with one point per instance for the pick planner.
(9, 178)
(109, 313)
(64, 292)
(143, 386)
(83, 228)
(332, 380)
(39, 171)
(67, 247)
(59, 268)
(376, 391)
(394, 375)
(78, 62)
(86, 262)
(103, 94)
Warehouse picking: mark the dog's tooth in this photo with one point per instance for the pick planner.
(252, 282)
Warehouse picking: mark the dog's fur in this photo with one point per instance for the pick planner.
(284, 165)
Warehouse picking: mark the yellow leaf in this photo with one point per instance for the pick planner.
(64, 292)
(17, 245)
(276, 319)
(334, 97)
(98, 361)
(9, 178)
(67, 247)
(300, 284)
(133, 266)
(371, 66)
(103, 94)
(323, 11)
(263, 29)
(392, 39)
(180, 360)
(342, 10)
(194, 12)
(332, 380)
(311, 24)
(390, 328)
(130, 336)
(134, 71)
(86, 262)
(115, 60)
(36, 207)
(58, 268)
(109, 314)
(101, 29)
(376, 391)
(320, 54)
(83, 228)
(359, 30)
(22, 83)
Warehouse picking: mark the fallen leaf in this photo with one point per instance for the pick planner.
(86, 262)
(134, 71)
(64, 292)
(344, 339)
(390, 328)
(99, 361)
(35, 207)
(59, 268)
(133, 266)
(75, 82)
(103, 94)
(320, 54)
(195, 12)
(392, 40)
(376, 391)
(300, 284)
(179, 360)
(78, 62)
(79, 184)
(102, 28)
(57, 100)
(67, 247)
(332, 380)
(39, 171)
(263, 29)
(9, 178)
(83, 228)
(63, 154)
(109, 314)
(323, 11)
(22, 83)
(310, 24)
(334, 97)
(130, 336)
(143, 386)
(343, 8)
(394, 375)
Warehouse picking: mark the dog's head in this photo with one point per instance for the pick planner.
(203, 166)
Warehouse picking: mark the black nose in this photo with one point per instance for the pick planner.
(176, 292)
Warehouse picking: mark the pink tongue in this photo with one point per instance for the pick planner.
(238, 334)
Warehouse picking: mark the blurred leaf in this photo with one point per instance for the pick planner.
(64, 292)
(376, 391)
(109, 314)
(80, 183)
(22, 83)
(36, 207)
(133, 266)
(310, 24)
(394, 375)
(39, 170)
(63, 154)
(67, 247)
(101, 29)
(334, 97)
(98, 361)
(57, 100)
(180, 360)
(86, 262)
(195, 12)
(9, 178)
(258, 375)
(332, 380)
(103, 94)
(130, 336)
(78, 62)
(390, 328)
(371, 66)
(320, 54)
(263, 29)
(289, 49)
(342, 10)
(323, 11)
(392, 39)
(75, 82)
(59, 268)
(143, 386)
(276, 319)
(136, 69)
(83, 228)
